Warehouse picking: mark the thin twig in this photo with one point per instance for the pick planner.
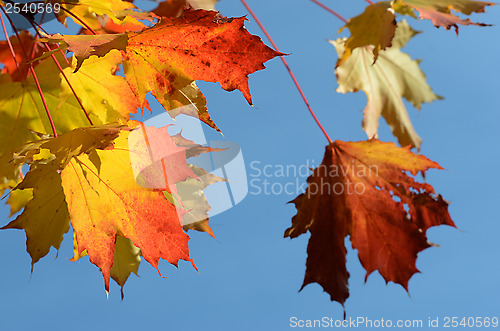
(30, 67)
(44, 31)
(64, 75)
(289, 70)
(70, 86)
(330, 11)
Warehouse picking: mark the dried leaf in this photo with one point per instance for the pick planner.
(363, 190)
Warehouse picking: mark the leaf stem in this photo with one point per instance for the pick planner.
(288, 69)
(369, 1)
(328, 9)
(64, 75)
(30, 67)
(44, 31)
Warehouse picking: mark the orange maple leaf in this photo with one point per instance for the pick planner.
(200, 45)
(362, 190)
(105, 201)
(25, 43)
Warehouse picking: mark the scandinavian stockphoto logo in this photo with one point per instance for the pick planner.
(154, 158)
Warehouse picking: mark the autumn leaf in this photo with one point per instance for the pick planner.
(197, 46)
(187, 99)
(105, 201)
(394, 76)
(375, 26)
(440, 11)
(106, 97)
(364, 190)
(165, 58)
(45, 217)
(15, 126)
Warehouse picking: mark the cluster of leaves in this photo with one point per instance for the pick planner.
(65, 116)
(387, 219)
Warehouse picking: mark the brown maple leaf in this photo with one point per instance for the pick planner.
(363, 190)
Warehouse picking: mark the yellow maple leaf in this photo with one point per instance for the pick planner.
(375, 26)
(394, 76)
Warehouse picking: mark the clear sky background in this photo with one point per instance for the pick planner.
(249, 276)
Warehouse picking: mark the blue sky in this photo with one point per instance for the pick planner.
(249, 276)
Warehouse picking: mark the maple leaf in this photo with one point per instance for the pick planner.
(197, 46)
(165, 58)
(440, 11)
(106, 97)
(126, 261)
(85, 176)
(394, 76)
(186, 99)
(375, 26)
(45, 217)
(105, 201)
(362, 190)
